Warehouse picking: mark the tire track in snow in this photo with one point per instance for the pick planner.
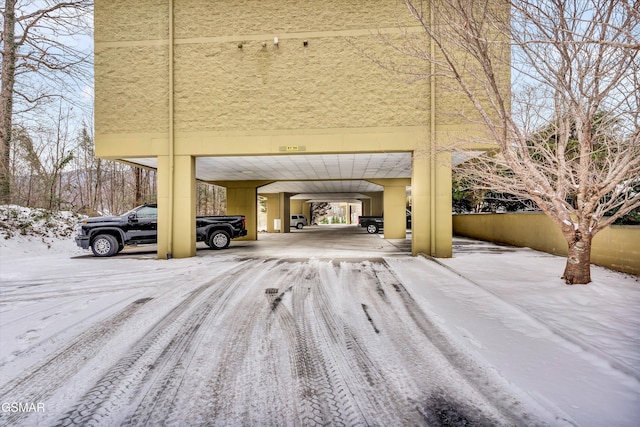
(238, 376)
(45, 378)
(95, 281)
(79, 293)
(165, 389)
(491, 393)
(344, 360)
(338, 382)
(370, 377)
(319, 391)
(303, 353)
(137, 382)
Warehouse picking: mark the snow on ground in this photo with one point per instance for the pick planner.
(573, 348)
(569, 354)
(19, 224)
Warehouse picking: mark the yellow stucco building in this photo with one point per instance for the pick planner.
(275, 98)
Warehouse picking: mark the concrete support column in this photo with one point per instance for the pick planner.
(366, 207)
(443, 207)
(273, 211)
(375, 203)
(164, 207)
(279, 208)
(420, 205)
(394, 205)
(242, 199)
(431, 205)
(284, 203)
(352, 208)
(177, 217)
(306, 211)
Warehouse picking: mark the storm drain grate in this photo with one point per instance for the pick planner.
(271, 291)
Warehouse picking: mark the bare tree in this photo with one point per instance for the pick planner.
(87, 175)
(565, 127)
(41, 159)
(144, 188)
(210, 199)
(319, 210)
(38, 63)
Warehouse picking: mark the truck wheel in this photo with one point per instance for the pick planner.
(372, 228)
(219, 239)
(299, 226)
(104, 245)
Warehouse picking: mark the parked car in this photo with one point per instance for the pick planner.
(108, 235)
(373, 224)
(298, 221)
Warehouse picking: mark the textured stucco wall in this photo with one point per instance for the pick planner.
(325, 85)
(206, 18)
(126, 21)
(219, 87)
(131, 66)
(616, 247)
(332, 83)
(131, 98)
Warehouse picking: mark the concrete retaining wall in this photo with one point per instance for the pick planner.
(616, 247)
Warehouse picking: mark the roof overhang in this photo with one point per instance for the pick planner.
(321, 177)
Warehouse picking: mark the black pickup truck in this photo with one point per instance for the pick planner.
(108, 235)
(373, 224)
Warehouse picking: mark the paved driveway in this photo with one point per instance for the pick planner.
(308, 328)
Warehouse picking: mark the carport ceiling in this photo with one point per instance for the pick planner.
(303, 173)
(307, 173)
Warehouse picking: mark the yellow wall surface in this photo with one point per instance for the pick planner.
(273, 212)
(297, 207)
(616, 247)
(327, 96)
(198, 78)
(220, 87)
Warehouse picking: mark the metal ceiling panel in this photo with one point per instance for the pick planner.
(303, 173)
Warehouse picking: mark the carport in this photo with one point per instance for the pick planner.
(379, 181)
(275, 101)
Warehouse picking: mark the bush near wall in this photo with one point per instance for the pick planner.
(616, 247)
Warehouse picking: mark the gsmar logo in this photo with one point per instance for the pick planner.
(22, 407)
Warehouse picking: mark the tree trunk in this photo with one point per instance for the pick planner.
(138, 185)
(97, 189)
(6, 99)
(578, 268)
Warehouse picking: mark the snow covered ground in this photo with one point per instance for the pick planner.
(305, 327)
(573, 348)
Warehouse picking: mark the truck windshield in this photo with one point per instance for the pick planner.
(149, 212)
